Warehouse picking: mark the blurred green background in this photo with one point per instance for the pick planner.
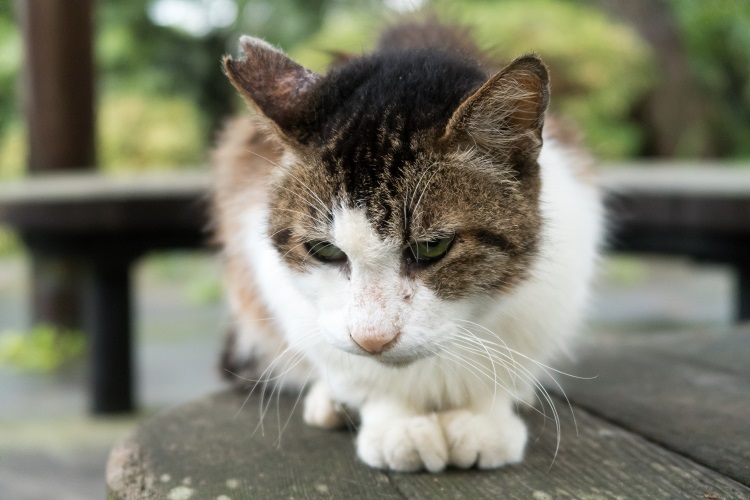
(641, 78)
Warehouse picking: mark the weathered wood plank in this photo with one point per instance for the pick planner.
(80, 187)
(684, 400)
(719, 350)
(696, 178)
(210, 448)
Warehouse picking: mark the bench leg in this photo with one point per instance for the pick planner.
(107, 320)
(743, 292)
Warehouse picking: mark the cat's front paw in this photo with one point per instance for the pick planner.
(320, 409)
(485, 440)
(404, 444)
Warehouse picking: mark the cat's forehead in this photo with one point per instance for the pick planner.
(382, 113)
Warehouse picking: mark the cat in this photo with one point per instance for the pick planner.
(404, 235)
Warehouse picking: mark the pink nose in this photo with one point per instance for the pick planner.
(376, 343)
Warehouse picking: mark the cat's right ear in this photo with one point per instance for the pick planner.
(271, 82)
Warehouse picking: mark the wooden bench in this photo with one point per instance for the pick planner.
(665, 417)
(698, 210)
(104, 223)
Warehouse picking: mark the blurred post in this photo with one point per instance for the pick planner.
(58, 84)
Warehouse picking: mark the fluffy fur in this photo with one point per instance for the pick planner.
(413, 143)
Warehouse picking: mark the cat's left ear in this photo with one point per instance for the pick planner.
(507, 112)
(271, 82)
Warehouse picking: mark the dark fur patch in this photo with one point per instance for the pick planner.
(429, 145)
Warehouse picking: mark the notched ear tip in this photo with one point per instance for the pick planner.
(271, 82)
(251, 45)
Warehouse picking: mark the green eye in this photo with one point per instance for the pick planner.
(325, 251)
(428, 251)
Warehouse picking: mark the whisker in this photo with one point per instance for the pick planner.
(294, 407)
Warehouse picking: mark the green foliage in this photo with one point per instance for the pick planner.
(717, 35)
(42, 349)
(13, 150)
(198, 276)
(9, 243)
(599, 70)
(344, 29)
(145, 132)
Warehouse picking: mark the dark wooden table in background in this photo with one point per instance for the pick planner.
(102, 224)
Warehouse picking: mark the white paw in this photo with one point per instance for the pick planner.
(404, 444)
(320, 410)
(486, 440)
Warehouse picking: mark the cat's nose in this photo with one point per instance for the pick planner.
(375, 343)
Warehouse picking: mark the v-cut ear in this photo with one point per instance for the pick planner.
(507, 112)
(271, 82)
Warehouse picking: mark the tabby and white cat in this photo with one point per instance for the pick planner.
(402, 235)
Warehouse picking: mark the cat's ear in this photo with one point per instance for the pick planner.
(507, 112)
(271, 82)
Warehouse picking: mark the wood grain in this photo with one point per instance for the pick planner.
(211, 448)
(693, 398)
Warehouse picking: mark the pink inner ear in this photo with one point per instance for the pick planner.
(270, 81)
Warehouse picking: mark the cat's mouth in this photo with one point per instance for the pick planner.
(392, 361)
(395, 362)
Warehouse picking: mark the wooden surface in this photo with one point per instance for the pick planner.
(634, 447)
(690, 394)
(108, 203)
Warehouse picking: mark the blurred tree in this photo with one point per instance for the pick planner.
(10, 62)
(136, 52)
(159, 67)
(673, 115)
(717, 37)
(700, 105)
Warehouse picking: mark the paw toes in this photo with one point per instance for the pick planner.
(406, 445)
(504, 448)
(479, 439)
(369, 449)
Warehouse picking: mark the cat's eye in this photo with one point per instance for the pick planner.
(325, 251)
(432, 250)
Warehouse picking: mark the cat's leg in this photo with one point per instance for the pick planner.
(489, 438)
(320, 408)
(254, 352)
(392, 437)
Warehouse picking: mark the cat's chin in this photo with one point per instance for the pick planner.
(395, 361)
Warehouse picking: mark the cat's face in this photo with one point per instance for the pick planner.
(391, 272)
(409, 192)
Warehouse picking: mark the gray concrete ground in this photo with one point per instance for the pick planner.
(51, 449)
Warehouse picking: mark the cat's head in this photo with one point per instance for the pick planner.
(409, 189)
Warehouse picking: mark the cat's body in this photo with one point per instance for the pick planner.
(394, 233)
